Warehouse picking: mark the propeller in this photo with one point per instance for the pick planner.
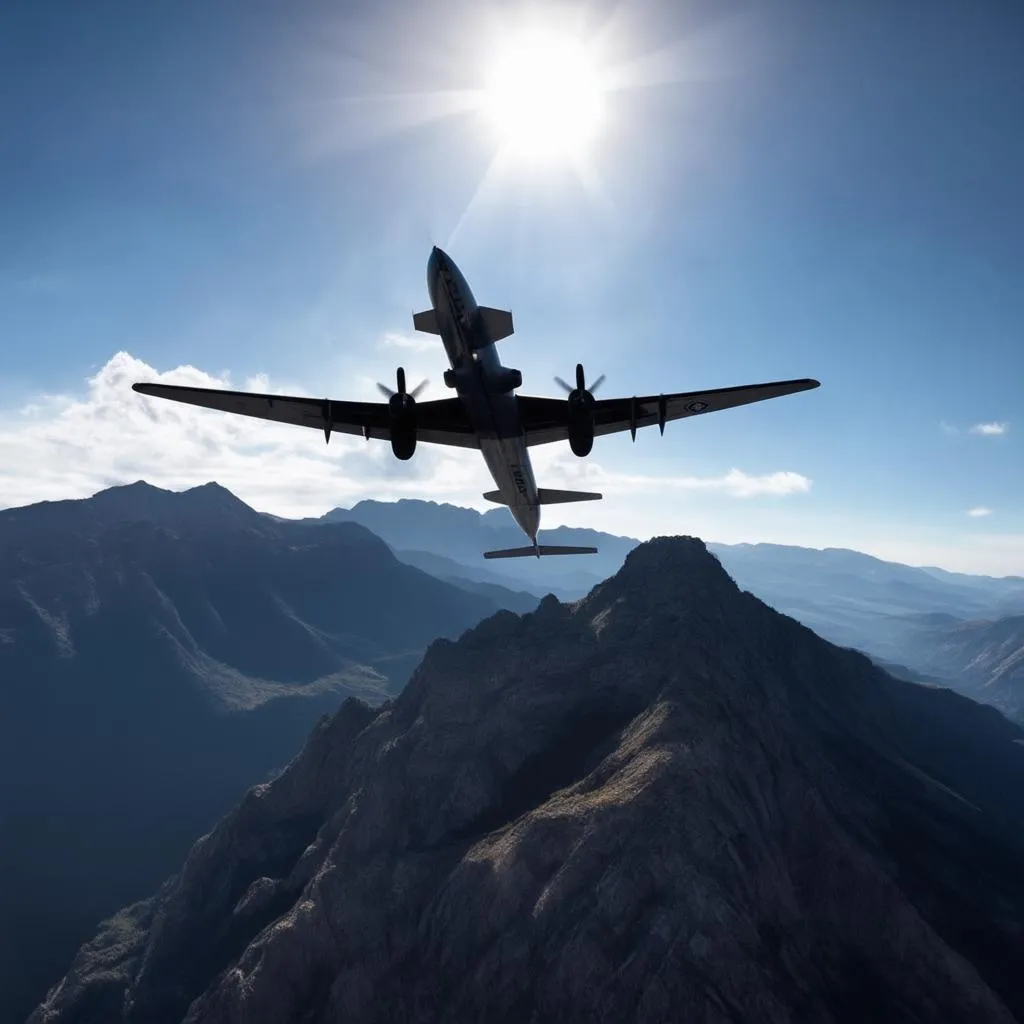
(401, 392)
(581, 382)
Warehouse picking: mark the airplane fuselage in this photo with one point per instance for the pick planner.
(486, 388)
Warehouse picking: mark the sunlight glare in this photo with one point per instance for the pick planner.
(544, 98)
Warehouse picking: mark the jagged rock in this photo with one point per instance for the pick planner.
(663, 802)
(159, 653)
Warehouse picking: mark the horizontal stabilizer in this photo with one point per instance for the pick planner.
(548, 496)
(426, 321)
(539, 551)
(497, 323)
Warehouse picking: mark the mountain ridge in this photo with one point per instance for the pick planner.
(662, 800)
(849, 597)
(159, 653)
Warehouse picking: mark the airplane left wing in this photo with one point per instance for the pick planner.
(547, 419)
(440, 422)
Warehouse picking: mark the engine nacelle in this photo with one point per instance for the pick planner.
(581, 431)
(402, 409)
(403, 443)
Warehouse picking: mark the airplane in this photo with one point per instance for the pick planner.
(486, 413)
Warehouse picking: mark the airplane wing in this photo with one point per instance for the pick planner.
(546, 419)
(440, 422)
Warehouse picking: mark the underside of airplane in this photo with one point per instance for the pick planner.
(485, 413)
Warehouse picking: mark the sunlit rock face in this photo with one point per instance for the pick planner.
(664, 802)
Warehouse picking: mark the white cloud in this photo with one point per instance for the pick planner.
(979, 511)
(70, 446)
(990, 429)
(734, 484)
(411, 342)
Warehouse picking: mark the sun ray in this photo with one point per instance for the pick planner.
(488, 183)
(542, 96)
(359, 122)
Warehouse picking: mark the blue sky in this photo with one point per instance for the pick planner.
(248, 192)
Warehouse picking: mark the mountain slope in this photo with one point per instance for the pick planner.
(984, 659)
(463, 535)
(844, 592)
(664, 802)
(861, 601)
(159, 653)
(477, 581)
(850, 598)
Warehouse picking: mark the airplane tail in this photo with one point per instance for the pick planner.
(548, 496)
(538, 550)
(496, 323)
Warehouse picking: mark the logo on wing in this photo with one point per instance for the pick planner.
(696, 406)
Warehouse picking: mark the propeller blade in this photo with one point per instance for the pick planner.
(389, 393)
(581, 382)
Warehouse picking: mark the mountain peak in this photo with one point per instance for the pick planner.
(660, 554)
(129, 495)
(206, 505)
(668, 571)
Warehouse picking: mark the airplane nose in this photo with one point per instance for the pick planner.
(436, 265)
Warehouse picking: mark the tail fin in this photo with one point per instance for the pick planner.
(538, 550)
(548, 496)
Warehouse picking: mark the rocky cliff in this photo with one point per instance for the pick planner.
(161, 652)
(663, 802)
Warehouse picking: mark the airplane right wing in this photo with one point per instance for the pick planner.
(547, 419)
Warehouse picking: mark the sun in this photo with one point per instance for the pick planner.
(544, 98)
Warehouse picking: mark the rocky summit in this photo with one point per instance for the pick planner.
(664, 802)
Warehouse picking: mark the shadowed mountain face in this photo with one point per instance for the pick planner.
(159, 653)
(665, 802)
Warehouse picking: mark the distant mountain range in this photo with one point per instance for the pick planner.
(417, 530)
(663, 802)
(882, 608)
(159, 653)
